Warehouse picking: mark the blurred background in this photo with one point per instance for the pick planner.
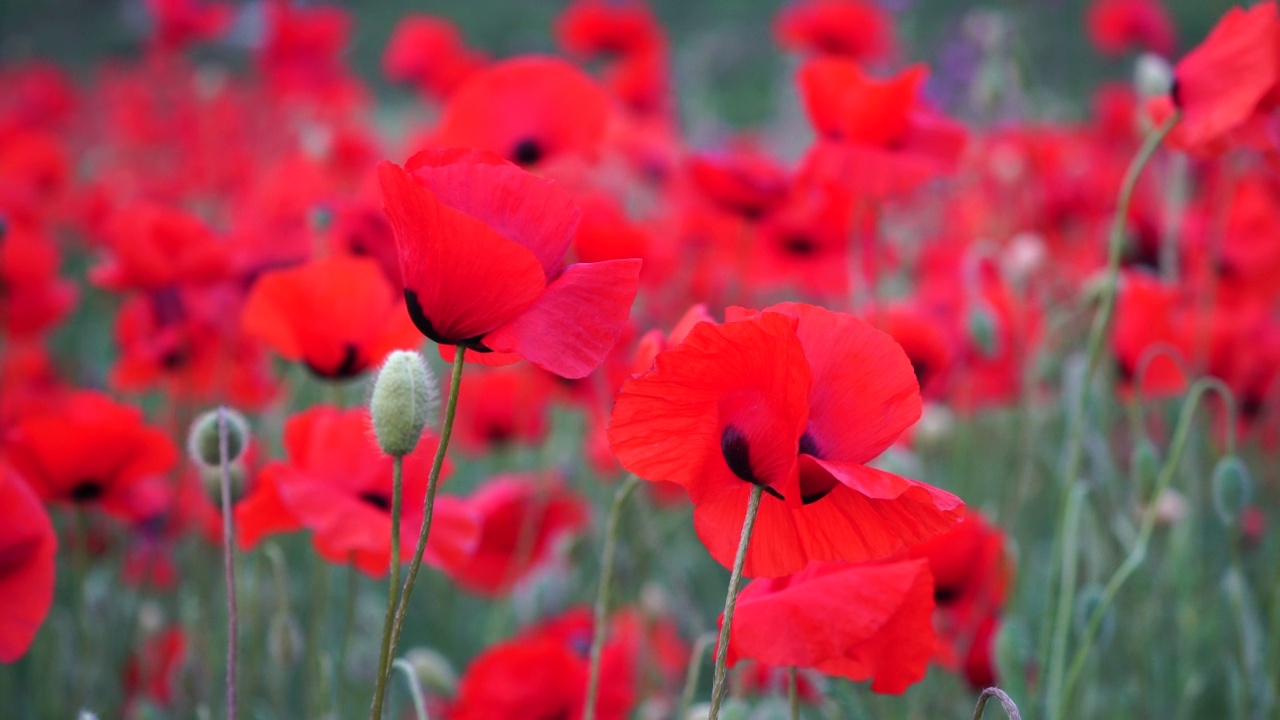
(726, 63)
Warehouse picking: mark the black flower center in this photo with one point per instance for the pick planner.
(87, 491)
(424, 325)
(349, 367)
(377, 500)
(800, 245)
(527, 152)
(737, 454)
(922, 369)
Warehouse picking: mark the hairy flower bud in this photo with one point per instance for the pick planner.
(434, 671)
(204, 444)
(404, 395)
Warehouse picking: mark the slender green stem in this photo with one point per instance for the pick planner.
(1139, 552)
(731, 601)
(691, 673)
(793, 693)
(402, 608)
(229, 563)
(315, 658)
(397, 482)
(349, 616)
(602, 596)
(1074, 450)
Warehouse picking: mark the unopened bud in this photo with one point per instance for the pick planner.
(404, 395)
(204, 443)
(434, 671)
(211, 479)
(1171, 507)
(1152, 76)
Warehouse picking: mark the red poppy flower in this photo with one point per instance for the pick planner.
(302, 48)
(32, 297)
(30, 380)
(879, 137)
(869, 621)
(971, 578)
(1146, 320)
(1244, 46)
(804, 242)
(744, 182)
(543, 674)
(925, 341)
(339, 315)
(152, 246)
(181, 22)
(854, 29)
(337, 483)
(529, 110)
(152, 672)
(27, 549)
(522, 519)
(501, 407)
(482, 246)
(185, 342)
(796, 400)
(262, 513)
(93, 452)
(1117, 25)
(429, 53)
(596, 27)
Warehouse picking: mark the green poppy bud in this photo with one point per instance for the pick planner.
(404, 396)
(204, 443)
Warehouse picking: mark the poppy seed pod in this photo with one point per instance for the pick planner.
(404, 395)
(203, 443)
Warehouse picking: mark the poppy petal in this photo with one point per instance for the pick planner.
(865, 392)
(574, 324)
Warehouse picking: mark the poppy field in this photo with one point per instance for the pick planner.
(517, 381)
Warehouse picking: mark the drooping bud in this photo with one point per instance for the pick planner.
(434, 671)
(1232, 489)
(404, 396)
(204, 442)
(1152, 76)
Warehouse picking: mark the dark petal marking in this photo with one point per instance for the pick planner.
(419, 318)
(922, 369)
(527, 152)
(942, 596)
(348, 368)
(737, 454)
(377, 500)
(87, 491)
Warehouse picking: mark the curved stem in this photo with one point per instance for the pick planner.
(691, 673)
(397, 485)
(415, 688)
(1074, 449)
(731, 600)
(1149, 516)
(228, 562)
(402, 608)
(1006, 702)
(602, 596)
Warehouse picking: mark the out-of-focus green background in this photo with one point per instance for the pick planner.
(723, 49)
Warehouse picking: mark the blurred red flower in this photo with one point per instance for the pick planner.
(93, 452)
(530, 110)
(599, 27)
(152, 246)
(971, 577)
(153, 670)
(429, 53)
(796, 400)
(178, 23)
(877, 136)
(1118, 25)
(337, 483)
(854, 29)
(33, 298)
(27, 549)
(482, 246)
(338, 315)
(522, 519)
(502, 407)
(866, 621)
(542, 673)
